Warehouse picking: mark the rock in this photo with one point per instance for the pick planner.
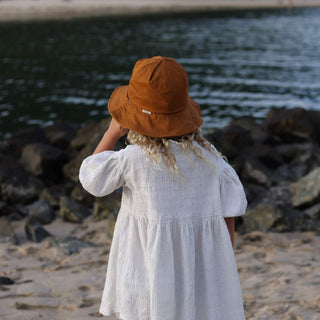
(42, 211)
(72, 211)
(294, 125)
(19, 186)
(306, 191)
(82, 196)
(257, 131)
(313, 212)
(231, 141)
(71, 244)
(6, 280)
(43, 160)
(34, 230)
(266, 155)
(61, 133)
(254, 171)
(15, 144)
(262, 217)
(106, 206)
(288, 173)
(53, 194)
(7, 233)
(91, 132)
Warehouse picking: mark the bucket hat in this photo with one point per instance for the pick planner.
(156, 101)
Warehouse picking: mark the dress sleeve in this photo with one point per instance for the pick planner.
(101, 173)
(232, 194)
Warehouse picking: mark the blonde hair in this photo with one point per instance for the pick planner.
(159, 147)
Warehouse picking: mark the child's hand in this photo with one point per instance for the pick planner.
(116, 130)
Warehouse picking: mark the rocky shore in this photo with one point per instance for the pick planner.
(55, 237)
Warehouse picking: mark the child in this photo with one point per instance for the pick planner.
(171, 256)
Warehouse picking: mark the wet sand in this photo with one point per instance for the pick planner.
(29, 10)
(279, 274)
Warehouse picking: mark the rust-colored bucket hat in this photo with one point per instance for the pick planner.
(156, 101)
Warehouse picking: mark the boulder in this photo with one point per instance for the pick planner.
(43, 160)
(18, 141)
(294, 125)
(306, 191)
(72, 211)
(19, 186)
(82, 196)
(34, 230)
(7, 233)
(42, 211)
(107, 206)
(231, 141)
(53, 194)
(255, 172)
(61, 133)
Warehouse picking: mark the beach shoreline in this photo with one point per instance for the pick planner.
(34, 10)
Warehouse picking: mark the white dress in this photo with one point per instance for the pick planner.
(171, 256)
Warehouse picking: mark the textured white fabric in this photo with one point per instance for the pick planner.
(171, 257)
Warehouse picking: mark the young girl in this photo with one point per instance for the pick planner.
(171, 256)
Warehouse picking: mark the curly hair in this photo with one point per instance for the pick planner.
(159, 147)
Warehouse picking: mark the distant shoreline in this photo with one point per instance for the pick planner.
(36, 10)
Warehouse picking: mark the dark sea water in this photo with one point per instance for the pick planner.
(239, 63)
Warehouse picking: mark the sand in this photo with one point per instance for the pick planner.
(29, 10)
(279, 274)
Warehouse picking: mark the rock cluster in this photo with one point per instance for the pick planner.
(277, 160)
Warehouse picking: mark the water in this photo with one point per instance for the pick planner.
(239, 63)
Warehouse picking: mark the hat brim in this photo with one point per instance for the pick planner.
(153, 124)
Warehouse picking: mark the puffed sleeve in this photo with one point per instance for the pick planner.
(232, 194)
(101, 173)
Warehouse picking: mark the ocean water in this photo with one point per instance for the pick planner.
(239, 63)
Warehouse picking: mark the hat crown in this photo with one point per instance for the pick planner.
(158, 85)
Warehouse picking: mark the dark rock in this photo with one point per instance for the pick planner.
(289, 172)
(294, 125)
(276, 217)
(107, 206)
(41, 211)
(61, 133)
(15, 144)
(257, 131)
(53, 194)
(254, 171)
(19, 186)
(35, 231)
(266, 155)
(82, 196)
(43, 160)
(72, 211)
(72, 244)
(306, 191)
(7, 233)
(92, 132)
(231, 141)
(6, 280)
(313, 212)
(253, 191)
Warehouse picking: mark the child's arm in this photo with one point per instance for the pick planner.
(230, 225)
(111, 136)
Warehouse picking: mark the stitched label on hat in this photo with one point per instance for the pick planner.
(146, 111)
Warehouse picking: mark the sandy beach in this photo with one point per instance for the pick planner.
(279, 274)
(28, 10)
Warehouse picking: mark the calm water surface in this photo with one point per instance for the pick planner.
(239, 63)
